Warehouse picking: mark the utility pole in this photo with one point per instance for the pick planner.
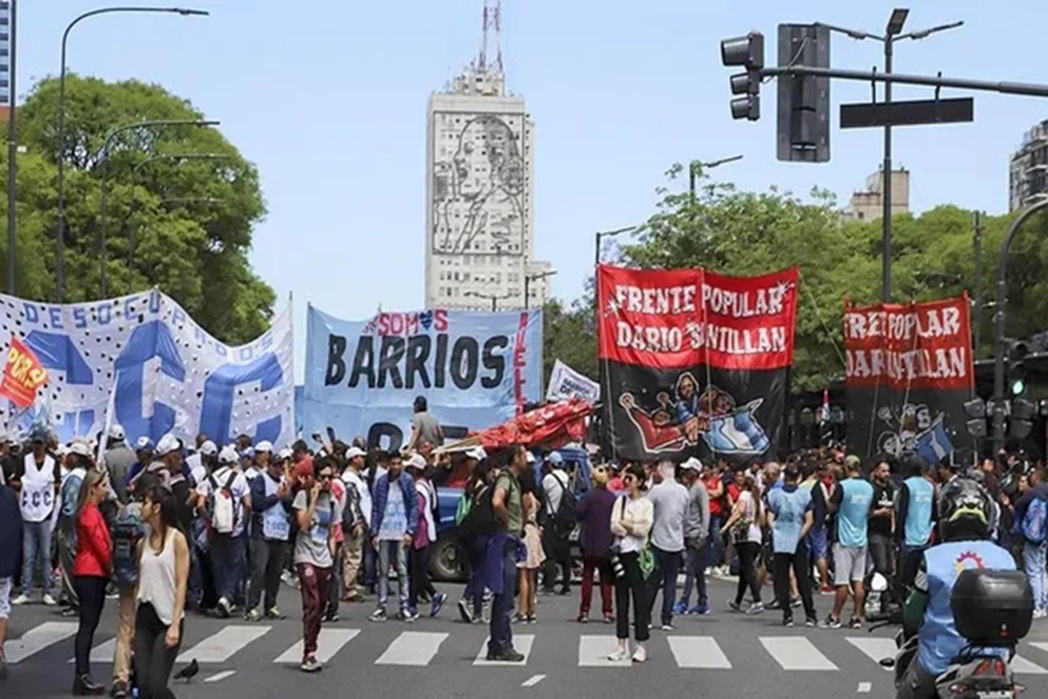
(977, 225)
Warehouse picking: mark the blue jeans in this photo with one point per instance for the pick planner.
(1034, 563)
(392, 550)
(474, 592)
(501, 628)
(225, 563)
(667, 566)
(695, 571)
(715, 549)
(36, 541)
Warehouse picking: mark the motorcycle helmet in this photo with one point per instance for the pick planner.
(965, 511)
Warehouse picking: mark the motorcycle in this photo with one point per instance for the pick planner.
(993, 611)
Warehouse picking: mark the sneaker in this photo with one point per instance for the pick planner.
(50, 601)
(756, 608)
(253, 615)
(274, 613)
(795, 602)
(700, 609)
(583, 618)
(855, 623)
(437, 603)
(811, 622)
(680, 608)
(465, 613)
(410, 615)
(1040, 613)
(509, 655)
(311, 664)
(224, 608)
(788, 622)
(609, 618)
(331, 618)
(619, 655)
(520, 618)
(119, 690)
(667, 627)
(830, 623)
(20, 600)
(827, 590)
(378, 615)
(774, 604)
(640, 654)
(734, 606)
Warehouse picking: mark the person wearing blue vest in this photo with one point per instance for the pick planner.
(790, 517)
(964, 528)
(851, 501)
(915, 515)
(271, 498)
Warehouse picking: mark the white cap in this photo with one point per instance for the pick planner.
(80, 449)
(167, 444)
(144, 442)
(529, 457)
(208, 448)
(285, 454)
(477, 453)
(62, 450)
(415, 461)
(117, 432)
(264, 446)
(354, 452)
(692, 464)
(228, 455)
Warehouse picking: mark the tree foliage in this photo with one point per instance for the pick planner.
(750, 233)
(181, 224)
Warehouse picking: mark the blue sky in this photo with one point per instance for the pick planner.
(328, 98)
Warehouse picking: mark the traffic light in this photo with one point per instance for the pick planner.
(804, 101)
(1017, 371)
(748, 52)
(1021, 422)
(975, 409)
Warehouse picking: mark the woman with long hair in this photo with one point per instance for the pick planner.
(91, 570)
(745, 527)
(631, 518)
(163, 576)
(535, 556)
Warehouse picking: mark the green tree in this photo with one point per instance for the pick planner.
(568, 335)
(183, 225)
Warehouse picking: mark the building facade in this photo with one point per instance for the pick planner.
(479, 194)
(1028, 171)
(868, 204)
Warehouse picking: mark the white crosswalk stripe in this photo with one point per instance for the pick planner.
(796, 653)
(221, 646)
(1024, 666)
(37, 639)
(329, 643)
(699, 652)
(102, 653)
(521, 642)
(412, 648)
(875, 648)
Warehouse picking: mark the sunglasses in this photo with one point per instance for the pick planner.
(325, 476)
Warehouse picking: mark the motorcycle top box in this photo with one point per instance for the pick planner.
(992, 607)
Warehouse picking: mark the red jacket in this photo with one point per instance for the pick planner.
(93, 546)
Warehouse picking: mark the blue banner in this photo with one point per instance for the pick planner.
(474, 369)
(169, 374)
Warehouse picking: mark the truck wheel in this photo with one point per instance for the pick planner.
(448, 562)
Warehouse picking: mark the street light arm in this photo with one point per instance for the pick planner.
(925, 33)
(856, 34)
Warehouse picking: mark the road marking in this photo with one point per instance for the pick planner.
(412, 648)
(102, 653)
(796, 653)
(533, 680)
(1040, 646)
(219, 676)
(521, 642)
(329, 643)
(221, 646)
(1022, 666)
(875, 649)
(701, 652)
(865, 687)
(594, 651)
(38, 638)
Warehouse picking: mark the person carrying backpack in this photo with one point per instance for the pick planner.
(1031, 511)
(225, 496)
(474, 524)
(127, 530)
(559, 519)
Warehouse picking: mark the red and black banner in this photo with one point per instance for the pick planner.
(909, 372)
(692, 362)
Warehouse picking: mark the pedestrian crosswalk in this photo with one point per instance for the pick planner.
(225, 648)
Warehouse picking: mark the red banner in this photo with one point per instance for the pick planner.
(920, 345)
(684, 317)
(23, 374)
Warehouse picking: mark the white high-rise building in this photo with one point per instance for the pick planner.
(479, 194)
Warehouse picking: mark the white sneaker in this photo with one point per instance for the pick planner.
(640, 654)
(1037, 613)
(20, 600)
(619, 655)
(50, 601)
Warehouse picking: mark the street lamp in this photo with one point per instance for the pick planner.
(696, 168)
(528, 278)
(60, 238)
(494, 298)
(892, 33)
(608, 234)
(104, 156)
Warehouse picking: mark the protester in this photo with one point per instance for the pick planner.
(10, 535)
(696, 539)
(425, 537)
(359, 500)
(534, 544)
(316, 514)
(38, 479)
(851, 501)
(557, 522)
(594, 513)
(271, 499)
(790, 518)
(474, 533)
(394, 523)
(631, 521)
(77, 462)
(225, 496)
(504, 551)
(127, 532)
(91, 574)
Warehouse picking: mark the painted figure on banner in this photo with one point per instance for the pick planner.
(912, 429)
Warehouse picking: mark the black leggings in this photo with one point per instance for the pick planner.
(632, 584)
(419, 574)
(153, 659)
(748, 553)
(91, 592)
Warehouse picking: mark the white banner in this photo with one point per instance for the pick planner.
(165, 373)
(566, 383)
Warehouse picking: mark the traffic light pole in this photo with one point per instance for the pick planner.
(1004, 87)
(999, 317)
(886, 185)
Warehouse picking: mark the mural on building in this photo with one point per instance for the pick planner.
(479, 184)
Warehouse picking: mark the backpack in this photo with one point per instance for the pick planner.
(1033, 525)
(349, 507)
(126, 532)
(223, 509)
(479, 519)
(564, 519)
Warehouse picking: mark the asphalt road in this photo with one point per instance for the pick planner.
(720, 655)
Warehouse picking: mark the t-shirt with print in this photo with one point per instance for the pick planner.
(311, 543)
(395, 520)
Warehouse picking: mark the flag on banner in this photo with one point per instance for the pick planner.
(23, 375)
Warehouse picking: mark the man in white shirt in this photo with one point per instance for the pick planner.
(354, 540)
(226, 481)
(202, 461)
(670, 502)
(556, 531)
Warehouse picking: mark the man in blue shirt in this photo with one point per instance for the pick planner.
(851, 501)
(790, 518)
(915, 515)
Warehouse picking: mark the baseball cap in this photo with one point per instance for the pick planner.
(692, 464)
(852, 461)
(80, 449)
(62, 450)
(416, 461)
(477, 453)
(265, 446)
(208, 448)
(116, 432)
(228, 455)
(529, 457)
(555, 458)
(285, 454)
(354, 452)
(167, 444)
(144, 444)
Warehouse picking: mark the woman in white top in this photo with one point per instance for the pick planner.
(631, 519)
(745, 527)
(162, 579)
